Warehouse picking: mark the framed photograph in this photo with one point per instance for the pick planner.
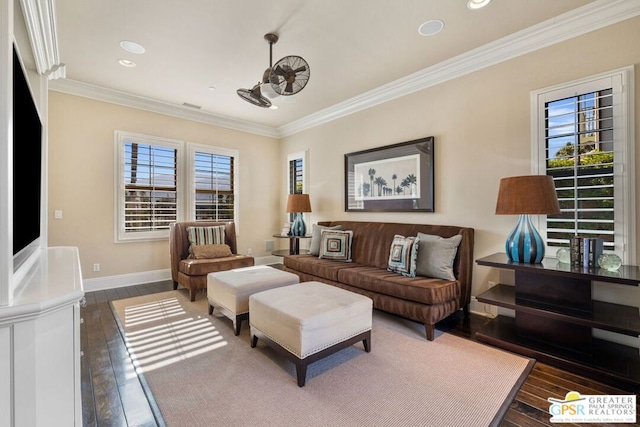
(393, 178)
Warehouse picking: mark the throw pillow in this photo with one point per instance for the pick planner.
(436, 255)
(336, 245)
(402, 255)
(316, 237)
(210, 251)
(206, 235)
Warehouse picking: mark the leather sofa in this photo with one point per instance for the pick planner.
(192, 273)
(424, 299)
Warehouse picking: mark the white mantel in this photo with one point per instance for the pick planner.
(40, 345)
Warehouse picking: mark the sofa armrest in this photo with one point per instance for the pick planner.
(463, 265)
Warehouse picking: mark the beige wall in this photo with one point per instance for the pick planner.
(81, 182)
(481, 124)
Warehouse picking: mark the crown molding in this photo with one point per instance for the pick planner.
(40, 19)
(591, 17)
(74, 87)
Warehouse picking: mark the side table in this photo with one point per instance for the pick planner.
(294, 245)
(555, 315)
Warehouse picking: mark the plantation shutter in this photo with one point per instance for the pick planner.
(150, 184)
(295, 179)
(214, 187)
(580, 146)
(295, 176)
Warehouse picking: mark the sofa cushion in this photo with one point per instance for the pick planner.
(202, 267)
(436, 255)
(316, 237)
(309, 264)
(210, 251)
(336, 245)
(402, 255)
(424, 290)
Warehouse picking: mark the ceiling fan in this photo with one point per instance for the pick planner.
(287, 77)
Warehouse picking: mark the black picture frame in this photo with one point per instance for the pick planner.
(393, 178)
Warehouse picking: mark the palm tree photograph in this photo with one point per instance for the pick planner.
(396, 177)
(378, 179)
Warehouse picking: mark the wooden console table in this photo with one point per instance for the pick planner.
(555, 316)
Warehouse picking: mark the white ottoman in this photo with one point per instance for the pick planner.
(310, 320)
(230, 290)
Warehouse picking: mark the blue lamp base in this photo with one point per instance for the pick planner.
(524, 243)
(298, 228)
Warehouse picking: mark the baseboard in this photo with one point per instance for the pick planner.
(266, 260)
(122, 280)
(482, 309)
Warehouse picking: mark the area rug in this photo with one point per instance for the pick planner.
(199, 373)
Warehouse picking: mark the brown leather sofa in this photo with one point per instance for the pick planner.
(192, 273)
(424, 299)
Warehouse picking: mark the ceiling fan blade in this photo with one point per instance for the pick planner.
(289, 87)
(300, 69)
(254, 96)
(280, 71)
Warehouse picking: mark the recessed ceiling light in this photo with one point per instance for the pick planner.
(132, 47)
(477, 4)
(431, 27)
(126, 63)
(288, 99)
(273, 107)
(212, 88)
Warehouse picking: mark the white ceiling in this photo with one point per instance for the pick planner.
(352, 47)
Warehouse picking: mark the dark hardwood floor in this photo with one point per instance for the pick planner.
(113, 396)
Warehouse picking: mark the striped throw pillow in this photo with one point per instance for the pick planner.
(206, 235)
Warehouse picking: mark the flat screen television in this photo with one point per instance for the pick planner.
(27, 167)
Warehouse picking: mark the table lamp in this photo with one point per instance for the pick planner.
(297, 204)
(524, 196)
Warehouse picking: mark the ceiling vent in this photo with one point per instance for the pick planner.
(194, 106)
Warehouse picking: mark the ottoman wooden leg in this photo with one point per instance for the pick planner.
(210, 309)
(367, 343)
(237, 322)
(254, 341)
(301, 372)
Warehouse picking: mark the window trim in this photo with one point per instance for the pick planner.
(121, 137)
(624, 170)
(192, 148)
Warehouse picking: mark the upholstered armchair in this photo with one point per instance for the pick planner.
(191, 272)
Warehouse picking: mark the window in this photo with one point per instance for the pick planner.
(148, 199)
(213, 183)
(297, 177)
(583, 139)
(150, 187)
